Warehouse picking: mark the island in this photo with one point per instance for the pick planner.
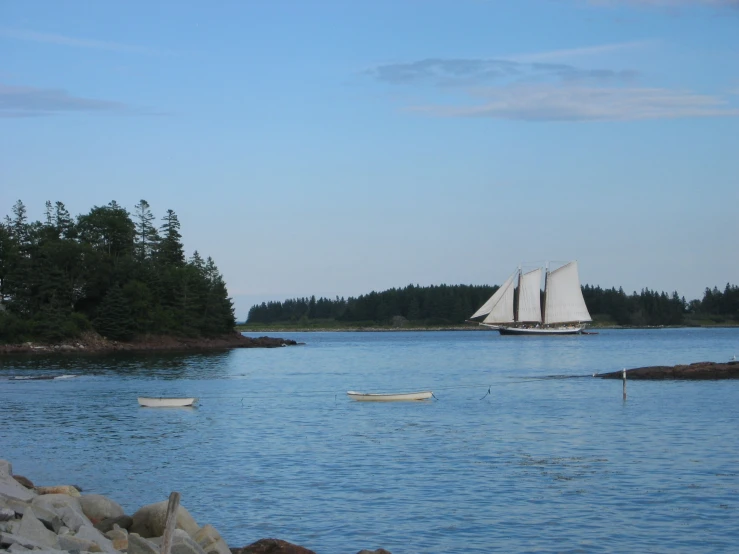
(695, 371)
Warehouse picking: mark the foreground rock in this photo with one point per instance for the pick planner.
(696, 371)
(59, 519)
(92, 342)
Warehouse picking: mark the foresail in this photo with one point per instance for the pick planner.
(496, 299)
(529, 297)
(564, 301)
(502, 311)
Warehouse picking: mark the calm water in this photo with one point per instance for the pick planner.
(551, 460)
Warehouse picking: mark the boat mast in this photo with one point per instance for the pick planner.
(517, 304)
(544, 304)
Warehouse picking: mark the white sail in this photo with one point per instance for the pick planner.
(529, 297)
(499, 305)
(564, 302)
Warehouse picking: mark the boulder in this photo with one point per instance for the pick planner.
(98, 507)
(33, 529)
(52, 521)
(71, 542)
(139, 545)
(90, 533)
(211, 541)
(6, 514)
(105, 525)
(23, 481)
(10, 488)
(119, 538)
(274, 546)
(182, 543)
(6, 468)
(66, 507)
(149, 521)
(59, 489)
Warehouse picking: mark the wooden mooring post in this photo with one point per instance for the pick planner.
(171, 522)
(624, 375)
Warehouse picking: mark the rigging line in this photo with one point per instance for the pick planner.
(486, 393)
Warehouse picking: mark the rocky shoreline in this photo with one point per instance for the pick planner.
(696, 371)
(91, 342)
(60, 519)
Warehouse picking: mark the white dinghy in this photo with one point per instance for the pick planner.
(389, 396)
(163, 402)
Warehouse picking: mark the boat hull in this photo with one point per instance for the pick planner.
(538, 331)
(389, 397)
(152, 402)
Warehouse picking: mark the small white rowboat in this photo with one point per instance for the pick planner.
(152, 402)
(389, 396)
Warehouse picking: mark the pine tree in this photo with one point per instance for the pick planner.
(170, 250)
(114, 320)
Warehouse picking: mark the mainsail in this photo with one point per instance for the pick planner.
(529, 297)
(564, 302)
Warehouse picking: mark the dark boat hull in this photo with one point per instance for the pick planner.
(540, 331)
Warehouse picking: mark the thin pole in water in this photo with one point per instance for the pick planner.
(624, 376)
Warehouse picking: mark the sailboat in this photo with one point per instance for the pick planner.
(564, 313)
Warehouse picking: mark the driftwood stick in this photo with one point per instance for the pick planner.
(171, 523)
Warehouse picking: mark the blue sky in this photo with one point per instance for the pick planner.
(339, 147)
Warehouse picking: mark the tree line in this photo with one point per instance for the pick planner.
(106, 270)
(453, 304)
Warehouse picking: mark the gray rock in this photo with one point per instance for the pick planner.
(182, 543)
(66, 507)
(33, 529)
(124, 522)
(15, 538)
(18, 506)
(149, 521)
(138, 545)
(6, 514)
(15, 548)
(119, 538)
(10, 526)
(70, 542)
(10, 488)
(98, 507)
(211, 541)
(90, 533)
(52, 521)
(6, 468)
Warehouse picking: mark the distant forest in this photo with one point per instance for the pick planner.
(453, 304)
(105, 270)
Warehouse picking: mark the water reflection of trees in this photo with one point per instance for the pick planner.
(161, 365)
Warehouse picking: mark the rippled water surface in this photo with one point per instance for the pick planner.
(521, 450)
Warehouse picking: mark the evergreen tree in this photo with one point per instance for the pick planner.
(147, 236)
(170, 250)
(114, 320)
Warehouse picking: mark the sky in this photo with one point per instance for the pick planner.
(336, 147)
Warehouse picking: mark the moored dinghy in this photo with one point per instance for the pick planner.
(164, 402)
(389, 396)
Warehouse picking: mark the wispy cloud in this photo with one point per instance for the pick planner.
(586, 51)
(544, 91)
(49, 38)
(23, 101)
(466, 72)
(548, 102)
(666, 3)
